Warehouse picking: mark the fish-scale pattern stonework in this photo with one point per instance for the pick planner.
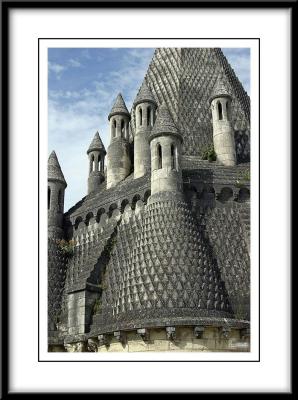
(156, 257)
(56, 282)
(184, 80)
(227, 232)
(163, 276)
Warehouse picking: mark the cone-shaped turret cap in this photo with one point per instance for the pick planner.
(54, 170)
(144, 94)
(119, 107)
(219, 89)
(164, 124)
(96, 144)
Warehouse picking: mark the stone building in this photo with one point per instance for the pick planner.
(156, 256)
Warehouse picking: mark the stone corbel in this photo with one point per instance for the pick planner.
(120, 336)
(198, 332)
(92, 345)
(70, 347)
(143, 333)
(225, 332)
(245, 333)
(171, 332)
(103, 340)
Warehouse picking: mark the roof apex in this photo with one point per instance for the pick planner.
(119, 107)
(164, 124)
(219, 89)
(144, 94)
(54, 170)
(96, 144)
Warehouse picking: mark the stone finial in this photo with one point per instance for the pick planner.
(54, 170)
(144, 95)
(219, 90)
(96, 144)
(119, 107)
(164, 124)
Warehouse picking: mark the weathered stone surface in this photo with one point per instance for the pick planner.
(160, 253)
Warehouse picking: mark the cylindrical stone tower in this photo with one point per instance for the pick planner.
(56, 189)
(56, 257)
(96, 153)
(223, 132)
(145, 107)
(118, 158)
(165, 147)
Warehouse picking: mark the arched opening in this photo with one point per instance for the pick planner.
(228, 109)
(134, 201)
(60, 201)
(148, 116)
(77, 222)
(192, 196)
(207, 195)
(244, 194)
(173, 157)
(140, 116)
(122, 129)
(92, 163)
(225, 194)
(49, 198)
(147, 195)
(100, 212)
(159, 156)
(114, 128)
(111, 209)
(88, 217)
(219, 109)
(123, 205)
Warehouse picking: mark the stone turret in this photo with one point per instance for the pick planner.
(57, 259)
(145, 106)
(223, 132)
(165, 147)
(56, 189)
(96, 153)
(118, 159)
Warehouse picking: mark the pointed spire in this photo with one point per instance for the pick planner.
(219, 89)
(119, 107)
(144, 94)
(96, 144)
(54, 170)
(164, 124)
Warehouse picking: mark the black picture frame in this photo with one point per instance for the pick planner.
(6, 8)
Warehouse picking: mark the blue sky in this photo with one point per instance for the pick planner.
(83, 84)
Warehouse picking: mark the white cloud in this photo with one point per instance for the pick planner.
(74, 63)
(56, 68)
(75, 115)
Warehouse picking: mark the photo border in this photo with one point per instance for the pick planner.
(258, 229)
(6, 6)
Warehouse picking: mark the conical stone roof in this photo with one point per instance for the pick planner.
(96, 144)
(144, 95)
(54, 170)
(184, 78)
(119, 107)
(164, 124)
(219, 89)
(168, 278)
